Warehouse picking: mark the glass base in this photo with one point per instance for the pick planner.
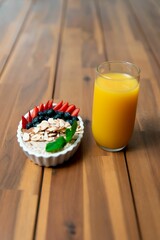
(112, 149)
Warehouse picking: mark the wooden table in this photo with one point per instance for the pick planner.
(49, 49)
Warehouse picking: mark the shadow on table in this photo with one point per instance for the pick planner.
(147, 136)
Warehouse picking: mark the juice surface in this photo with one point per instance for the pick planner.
(114, 109)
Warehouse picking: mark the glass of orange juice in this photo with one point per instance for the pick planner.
(115, 99)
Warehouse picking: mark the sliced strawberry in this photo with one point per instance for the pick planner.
(29, 118)
(41, 107)
(35, 112)
(71, 108)
(64, 107)
(24, 122)
(58, 106)
(50, 103)
(75, 112)
(46, 105)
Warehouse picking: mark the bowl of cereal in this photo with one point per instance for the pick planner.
(50, 133)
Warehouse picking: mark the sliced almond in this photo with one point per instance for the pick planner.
(27, 130)
(51, 120)
(67, 125)
(36, 137)
(44, 125)
(52, 129)
(56, 123)
(41, 133)
(36, 129)
(41, 138)
(48, 139)
(52, 134)
(61, 123)
(26, 137)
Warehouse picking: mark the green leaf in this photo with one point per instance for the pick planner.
(57, 145)
(71, 132)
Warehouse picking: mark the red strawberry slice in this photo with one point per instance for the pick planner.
(71, 108)
(24, 122)
(58, 106)
(29, 118)
(64, 107)
(50, 103)
(41, 107)
(35, 112)
(46, 105)
(75, 112)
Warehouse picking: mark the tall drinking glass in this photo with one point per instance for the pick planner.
(115, 98)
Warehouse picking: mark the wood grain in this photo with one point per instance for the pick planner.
(149, 12)
(81, 204)
(12, 18)
(143, 151)
(29, 77)
(49, 49)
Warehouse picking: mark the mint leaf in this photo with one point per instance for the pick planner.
(71, 132)
(57, 145)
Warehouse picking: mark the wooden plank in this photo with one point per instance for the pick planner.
(147, 13)
(111, 209)
(37, 71)
(12, 17)
(44, 206)
(143, 168)
(89, 197)
(28, 78)
(82, 190)
(18, 213)
(8, 202)
(142, 154)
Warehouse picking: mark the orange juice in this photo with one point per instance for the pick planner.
(114, 109)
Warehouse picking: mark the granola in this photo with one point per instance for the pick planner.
(37, 137)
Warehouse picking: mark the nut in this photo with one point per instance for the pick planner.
(26, 137)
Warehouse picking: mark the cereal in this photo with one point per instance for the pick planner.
(46, 130)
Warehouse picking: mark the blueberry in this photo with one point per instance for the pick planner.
(29, 125)
(45, 112)
(70, 121)
(55, 116)
(50, 113)
(41, 118)
(67, 115)
(59, 115)
(35, 124)
(35, 120)
(75, 118)
(46, 118)
(41, 113)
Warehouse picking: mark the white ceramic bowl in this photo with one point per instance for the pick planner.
(50, 159)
